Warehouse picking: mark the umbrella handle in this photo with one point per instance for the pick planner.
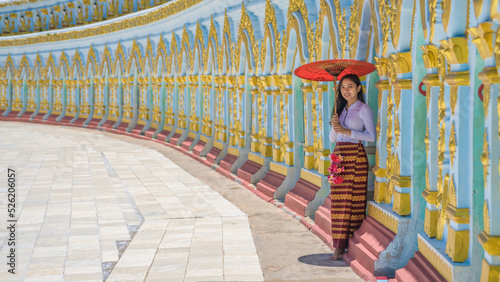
(334, 110)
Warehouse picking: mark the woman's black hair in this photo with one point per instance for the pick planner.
(341, 102)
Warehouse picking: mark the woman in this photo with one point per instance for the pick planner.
(351, 124)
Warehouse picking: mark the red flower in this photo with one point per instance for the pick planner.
(335, 170)
(338, 180)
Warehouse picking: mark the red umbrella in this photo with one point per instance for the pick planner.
(331, 70)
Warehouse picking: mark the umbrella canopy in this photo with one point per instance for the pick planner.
(331, 70)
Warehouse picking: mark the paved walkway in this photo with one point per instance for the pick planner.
(94, 206)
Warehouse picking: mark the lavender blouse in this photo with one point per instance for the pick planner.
(359, 119)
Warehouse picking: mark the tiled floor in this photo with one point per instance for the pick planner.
(90, 207)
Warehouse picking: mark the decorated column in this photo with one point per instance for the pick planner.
(309, 148)
(460, 148)
(403, 134)
(256, 98)
(286, 83)
(381, 192)
(430, 194)
(278, 124)
(240, 123)
(266, 117)
(490, 237)
(233, 114)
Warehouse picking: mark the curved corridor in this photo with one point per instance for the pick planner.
(94, 207)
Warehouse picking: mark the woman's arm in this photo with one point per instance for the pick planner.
(333, 135)
(369, 134)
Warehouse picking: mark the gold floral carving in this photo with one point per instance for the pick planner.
(387, 12)
(456, 50)
(160, 52)
(452, 145)
(354, 26)
(383, 217)
(9, 64)
(76, 65)
(485, 158)
(212, 39)
(430, 54)
(251, 45)
(23, 65)
(482, 37)
(341, 21)
(106, 59)
(436, 259)
(148, 54)
(120, 58)
(227, 27)
(91, 60)
(486, 218)
(382, 65)
(432, 18)
(443, 190)
(135, 52)
(270, 31)
(185, 48)
(325, 13)
(488, 76)
(50, 66)
(140, 20)
(173, 51)
(63, 64)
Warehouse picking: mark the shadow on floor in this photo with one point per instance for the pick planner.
(321, 260)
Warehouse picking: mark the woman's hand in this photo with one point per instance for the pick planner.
(340, 129)
(335, 120)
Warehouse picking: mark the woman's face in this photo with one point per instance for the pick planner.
(349, 90)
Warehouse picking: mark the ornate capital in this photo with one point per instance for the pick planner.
(381, 64)
(491, 244)
(432, 80)
(402, 84)
(383, 85)
(402, 62)
(489, 75)
(458, 78)
(430, 56)
(482, 37)
(456, 50)
(430, 197)
(460, 216)
(401, 181)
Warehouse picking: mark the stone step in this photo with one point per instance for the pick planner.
(78, 122)
(108, 124)
(186, 144)
(213, 154)
(173, 140)
(162, 135)
(39, 116)
(367, 243)
(418, 269)
(247, 170)
(150, 132)
(198, 148)
(269, 184)
(300, 196)
(227, 162)
(93, 123)
(24, 117)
